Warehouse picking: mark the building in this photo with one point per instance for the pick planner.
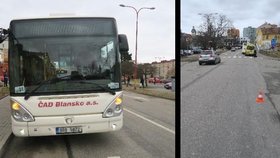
(232, 38)
(3, 57)
(250, 33)
(244, 40)
(164, 69)
(193, 31)
(265, 34)
(233, 33)
(4, 51)
(267, 25)
(186, 41)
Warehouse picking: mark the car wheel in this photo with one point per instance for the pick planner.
(199, 63)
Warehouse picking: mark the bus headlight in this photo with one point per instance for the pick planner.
(19, 113)
(115, 108)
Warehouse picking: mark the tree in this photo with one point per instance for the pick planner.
(127, 68)
(146, 69)
(125, 56)
(126, 64)
(212, 30)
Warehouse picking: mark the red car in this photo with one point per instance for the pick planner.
(151, 80)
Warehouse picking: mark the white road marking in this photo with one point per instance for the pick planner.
(240, 57)
(114, 157)
(139, 98)
(144, 118)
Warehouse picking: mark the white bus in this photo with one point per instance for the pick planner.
(65, 75)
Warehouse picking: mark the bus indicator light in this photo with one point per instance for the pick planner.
(118, 101)
(15, 106)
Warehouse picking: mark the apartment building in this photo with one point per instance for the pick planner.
(164, 69)
(250, 32)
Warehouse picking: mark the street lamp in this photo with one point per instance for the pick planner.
(137, 13)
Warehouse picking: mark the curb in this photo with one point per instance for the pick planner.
(3, 97)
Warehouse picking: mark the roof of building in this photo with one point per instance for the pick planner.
(267, 25)
(270, 31)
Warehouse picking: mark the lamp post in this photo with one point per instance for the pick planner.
(137, 13)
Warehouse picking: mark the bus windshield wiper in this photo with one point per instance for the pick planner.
(98, 85)
(51, 81)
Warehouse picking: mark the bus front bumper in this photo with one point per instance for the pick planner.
(52, 125)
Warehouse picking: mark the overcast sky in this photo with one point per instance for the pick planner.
(156, 28)
(243, 13)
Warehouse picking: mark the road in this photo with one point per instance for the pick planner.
(148, 131)
(219, 113)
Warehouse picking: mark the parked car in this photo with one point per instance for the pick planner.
(233, 49)
(197, 51)
(168, 85)
(182, 53)
(186, 52)
(164, 81)
(151, 80)
(209, 57)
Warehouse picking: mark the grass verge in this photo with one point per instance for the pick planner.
(168, 94)
(274, 54)
(191, 58)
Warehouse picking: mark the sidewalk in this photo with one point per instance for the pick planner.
(5, 123)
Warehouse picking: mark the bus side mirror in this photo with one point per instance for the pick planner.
(123, 44)
(3, 34)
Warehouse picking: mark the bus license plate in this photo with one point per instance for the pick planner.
(68, 130)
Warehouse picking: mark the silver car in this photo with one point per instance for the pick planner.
(209, 57)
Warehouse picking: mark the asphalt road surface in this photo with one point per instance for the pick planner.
(148, 131)
(219, 113)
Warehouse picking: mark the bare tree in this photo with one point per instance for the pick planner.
(212, 30)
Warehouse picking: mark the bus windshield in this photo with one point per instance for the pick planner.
(67, 49)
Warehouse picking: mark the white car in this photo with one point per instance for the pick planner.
(168, 85)
(209, 57)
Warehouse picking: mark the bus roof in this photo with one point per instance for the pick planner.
(62, 17)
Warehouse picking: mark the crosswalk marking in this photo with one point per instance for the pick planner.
(239, 57)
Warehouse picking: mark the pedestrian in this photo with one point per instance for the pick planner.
(155, 80)
(128, 81)
(142, 81)
(5, 80)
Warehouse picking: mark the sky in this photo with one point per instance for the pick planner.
(156, 28)
(242, 13)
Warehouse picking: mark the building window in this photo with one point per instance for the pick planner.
(266, 36)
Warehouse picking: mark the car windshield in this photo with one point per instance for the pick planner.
(42, 54)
